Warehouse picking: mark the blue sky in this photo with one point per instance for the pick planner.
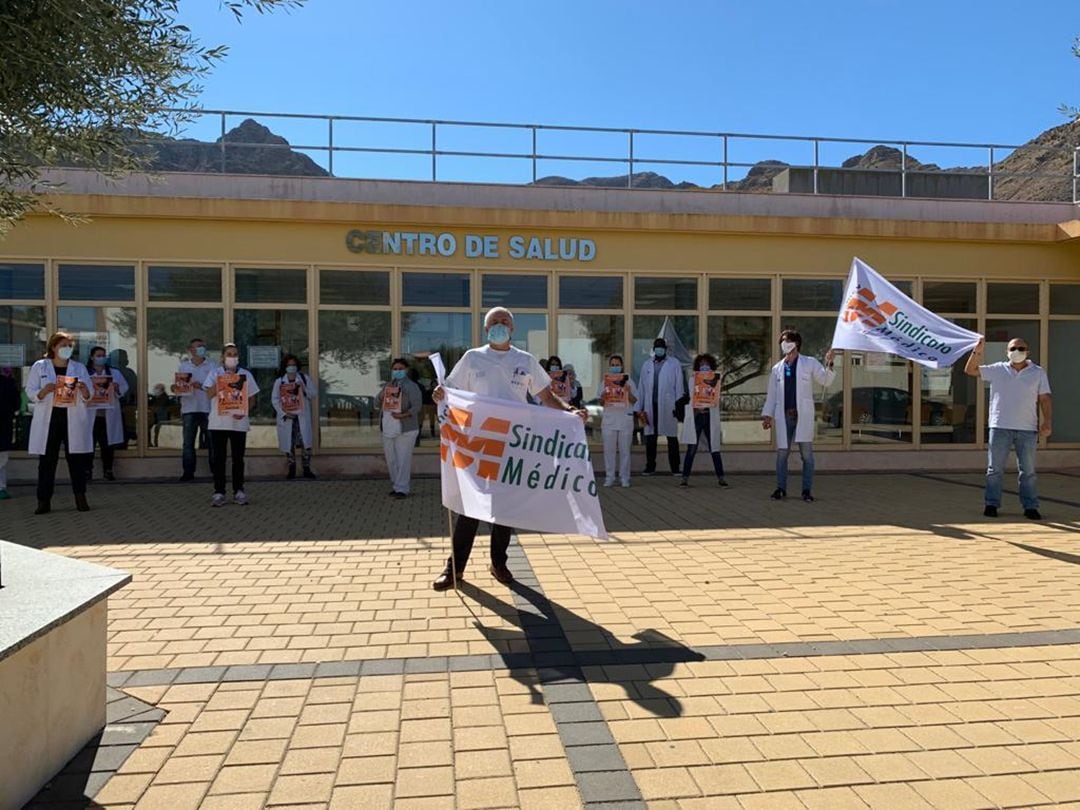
(950, 70)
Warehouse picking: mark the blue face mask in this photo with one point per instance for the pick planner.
(291, 369)
(99, 361)
(705, 367)
(615, 369)
(200, 351)
(659, 351)
(398, 373)
(65, 352)
(498, 333)
(556, 367)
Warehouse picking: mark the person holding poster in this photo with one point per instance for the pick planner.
(233, 389)
(576, 396)
(702, 424)
(501, 371)
(661, 387)
(108, 431)
(194, 405)
(59, 389)
(291, 397)
(789, 406)
(399, 401)
(560, 377)
(1019, 396)
(618, 396)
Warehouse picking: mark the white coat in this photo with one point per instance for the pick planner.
(114, 415)
(687, 433)
(80, 423)
(670, 389)
(808, 371)
(284, 425)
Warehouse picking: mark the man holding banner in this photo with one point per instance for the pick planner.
(502, 458)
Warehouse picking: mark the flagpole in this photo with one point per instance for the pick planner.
(453, 556)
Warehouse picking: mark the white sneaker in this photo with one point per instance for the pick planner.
(240, 498)
(626, 485)
(609, 482)
(218, 500)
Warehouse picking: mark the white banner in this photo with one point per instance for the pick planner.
(877, 317)
(517, 465)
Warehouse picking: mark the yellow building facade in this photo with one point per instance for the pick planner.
(348, 274)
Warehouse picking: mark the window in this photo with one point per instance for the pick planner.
(743, 347)
(22, 342)
(949, 296)
(435, 290)
(812, 294)
(881, 401)
(528, 292)
(97, 282)
(115, 330)
(354, 360)
(271, 286)
(665, 293)
(1064, 299)
(590, 292)
(272, 333)
(22, 281)
(1065, 380)
(169, 331)
(740, 293)
(184, 283)
(947, 411)
(1012, 298)
(424, 333)
(647, 329)
(585, 341)
(355, 288)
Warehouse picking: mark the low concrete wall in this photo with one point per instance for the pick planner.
(52, 702)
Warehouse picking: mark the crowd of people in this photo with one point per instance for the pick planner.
(77, 408)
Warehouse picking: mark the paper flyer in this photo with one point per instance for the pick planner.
(615, 391)
(706, 389)
(182, 385)
(290, 397)
(66, 388)
(232, 394)
(101, 394)
(391, 400)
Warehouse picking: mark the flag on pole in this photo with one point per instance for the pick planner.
(876, 317)
(517, 465)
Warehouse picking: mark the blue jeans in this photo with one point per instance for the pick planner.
(806, 450)
(195, 426)
(1001, 441)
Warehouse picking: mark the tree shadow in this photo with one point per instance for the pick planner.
(634, 667)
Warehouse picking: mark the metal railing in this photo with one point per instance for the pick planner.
(728, 174)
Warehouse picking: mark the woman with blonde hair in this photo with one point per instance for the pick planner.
(59, 389)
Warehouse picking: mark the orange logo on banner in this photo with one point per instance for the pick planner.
(863, 308)
(486, 451)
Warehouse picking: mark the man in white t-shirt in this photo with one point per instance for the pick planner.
(1019, 394)
(195, 407)
(499, 370)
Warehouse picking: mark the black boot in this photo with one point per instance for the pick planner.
(80, 502)
(43, 508)
(308, 473)
(292, 472)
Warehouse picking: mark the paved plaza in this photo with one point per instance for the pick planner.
(885, 646)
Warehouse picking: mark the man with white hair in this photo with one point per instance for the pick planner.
(498, 370)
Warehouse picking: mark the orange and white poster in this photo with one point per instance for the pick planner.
(615, 391)
(706, 389)
(560, 385)
(64, 395)
(290, 398)
(101, 395)
(182, 383)
(232, 394)
(391, 399)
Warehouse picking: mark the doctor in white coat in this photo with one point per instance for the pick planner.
(108, 422)
(51, 427)
(294, 429)
(789, 406)
(660, 386)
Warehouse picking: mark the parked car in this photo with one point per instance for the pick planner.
(873, 405)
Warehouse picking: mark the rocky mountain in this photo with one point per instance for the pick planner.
(257, 150)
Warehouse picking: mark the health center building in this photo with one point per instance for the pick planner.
(348, 274)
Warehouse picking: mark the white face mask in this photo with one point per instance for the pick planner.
(232, 362)
(1017, 355)
(787, 347)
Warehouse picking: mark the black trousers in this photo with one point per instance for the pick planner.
(236, 442)
(703, 432)
(101, 439)
(465, 535)
(76, 462)
(672, 453)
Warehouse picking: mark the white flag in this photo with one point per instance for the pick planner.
(876, 317)
(517, 465)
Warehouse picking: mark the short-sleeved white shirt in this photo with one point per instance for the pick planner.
(1014, 394)
(197, 401)
(505, 375)
(228, 421)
